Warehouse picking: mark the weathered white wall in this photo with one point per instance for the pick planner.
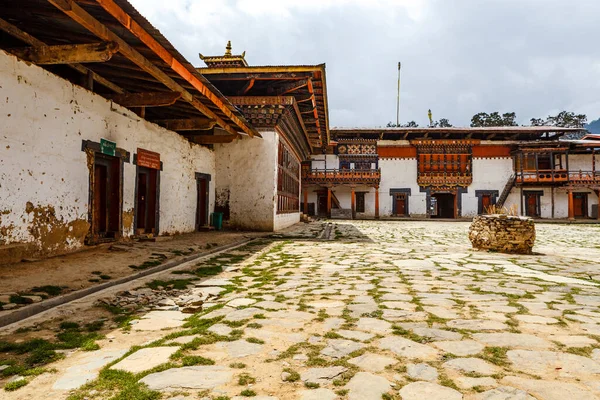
(399, 174)
(247, 179)
(488, 174)
(582, 162)
(246, 176)
(44, 120)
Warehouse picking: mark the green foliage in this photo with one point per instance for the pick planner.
(248, 393)
(483, 119)
(564, 119)
(312, 385)
(246, 379)
(293, 375)
(12, 386)
(237, 365)
(196, 360)
(255, 340)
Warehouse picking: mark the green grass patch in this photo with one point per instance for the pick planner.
(248, 393)
(12, 386)
(188, 361)
(292, 376)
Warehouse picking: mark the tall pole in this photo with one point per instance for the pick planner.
(398, 98)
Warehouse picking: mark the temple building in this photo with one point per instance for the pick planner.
(452, 173)
(109, 133)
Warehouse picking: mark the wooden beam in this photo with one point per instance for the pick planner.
(212, 139)
(309, 98)
(247, 87)
(94, 26)
(192, 124)
(292, 86)
(32, 41)
(152, 99)
(68, 53)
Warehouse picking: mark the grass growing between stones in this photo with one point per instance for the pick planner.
(39, 352)
(495, 355)
(12, 386)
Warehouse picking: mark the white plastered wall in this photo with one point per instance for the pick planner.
(400, 174)
(488, 174)
(44, 120)
(247, 182)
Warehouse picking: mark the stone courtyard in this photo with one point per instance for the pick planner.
(380, 310)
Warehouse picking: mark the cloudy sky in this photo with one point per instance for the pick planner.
(460, 57)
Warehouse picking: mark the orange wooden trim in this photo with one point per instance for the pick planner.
(117, 12)
(491, 151)
(397, 152)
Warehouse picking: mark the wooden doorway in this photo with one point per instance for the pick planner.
(322, 205)
(532, 205)
(443, 205)
(106, 198)
(146, 203)
(400, 199)
(202, 185)
(486, 202)
(580, 205)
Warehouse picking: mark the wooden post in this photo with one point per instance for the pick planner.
(522, 207)
(571, 210)
(353, 201)
(456, 204)
(376, 202)
(328, 202)
(552, 198)
(305, 192)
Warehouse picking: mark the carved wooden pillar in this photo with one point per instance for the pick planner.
(571, 210)
(353, 201)
(328, 202)
(305, 191)
(376, 202)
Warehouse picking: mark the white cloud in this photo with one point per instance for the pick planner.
(459, 58)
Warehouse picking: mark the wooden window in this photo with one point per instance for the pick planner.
(288, 181)
(360, 202)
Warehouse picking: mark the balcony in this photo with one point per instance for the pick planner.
(370, 177)
(444, 178)
(561, 176)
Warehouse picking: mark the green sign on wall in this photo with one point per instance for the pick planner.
(107, 147)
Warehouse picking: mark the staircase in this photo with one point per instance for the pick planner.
(507, 188)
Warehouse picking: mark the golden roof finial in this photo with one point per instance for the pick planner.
(228, 49)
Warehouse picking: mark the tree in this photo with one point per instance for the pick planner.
(410, 124)
(538, 122)
(567, 119)
(564, 119)
(444, 123)
(493, 119)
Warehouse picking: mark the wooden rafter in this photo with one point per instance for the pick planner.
(211, 139)
(151, 99)
(292, 86)
(73, 10)
(82, 17)
(68, 53)
(247, 87)
(32, 41)
(192, 124)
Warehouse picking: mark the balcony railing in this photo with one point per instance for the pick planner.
(341, 176)
(557, 176)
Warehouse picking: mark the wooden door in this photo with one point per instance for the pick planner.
(147, 200)
(532, 205)
(486, 201)
(142, 200)
(401, 204)
(580, 205)
(322, 206)
(100, 215)
(106, 215)
(202, 208)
